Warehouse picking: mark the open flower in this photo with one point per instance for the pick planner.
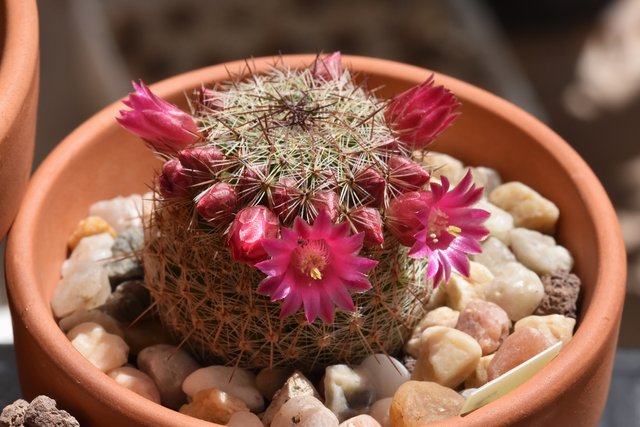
(450, 229)
(421, 113)
(161, 124)
(315, 266)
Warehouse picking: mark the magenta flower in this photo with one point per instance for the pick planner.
(328, 67)
(421, 113)
(450, 229)
(248, 230)
(315, 266)
(161, 124)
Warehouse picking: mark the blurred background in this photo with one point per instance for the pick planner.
(573, 64)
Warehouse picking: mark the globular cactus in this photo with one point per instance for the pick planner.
(280, 198)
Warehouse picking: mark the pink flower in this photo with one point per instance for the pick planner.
(327, 201)
(450, 229)
(174, 180)
(248, 230)
(421, 113)
(218, 203)
(315, 266)
(161, 124)
(367, 220)
(406, 175)
(402, 215)
(328, 67)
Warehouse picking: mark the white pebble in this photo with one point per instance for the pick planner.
(347, 392)
(440, 164)
(304, 411)
(539, 252)
(516, 289)
(110, 324)
(120, 212)
(499, 224)
(244, 419)
(528, 208)
(487, 178)
(91, 248)
(554, 327)
(385, 373)
(441, 316)
(86, 287)
(104, 350)
(380, 411)
(362, 420)
(235, 381)
(494, 254)
(136, 381)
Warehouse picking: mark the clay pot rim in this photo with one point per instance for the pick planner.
(550, 382)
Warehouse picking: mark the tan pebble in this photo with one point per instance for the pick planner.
(417, 403)
(104, 350)
(479, 376)
(516, 289)
(438, 298)
(136, 381)
(479, 273)
(380, 411)
(294, 386)
(499, 224)
(88, 227)
(519, 347)
(440, 164)
(363, 420)
(486, 322)
(441, 316)
(447, 356)
(110, 324)
(270, 380)
(244, 419)
(461, 291)
(555, 327)
(528, 208)
(213, 405)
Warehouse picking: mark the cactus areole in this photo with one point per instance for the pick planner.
(291, 225)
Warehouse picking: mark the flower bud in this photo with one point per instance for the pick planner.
(218, 203)
(421, 113)
(250, 182)
(174, 180)
(328, 67)
(249, 228)
(283, 197)
(367, 220)
(370, 184)
(406, 175)
(402, 215)
(328, 202)
(203, 162)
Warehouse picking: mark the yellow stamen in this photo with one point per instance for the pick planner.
(452, 229)
(315, 273)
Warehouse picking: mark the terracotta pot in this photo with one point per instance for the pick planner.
(19, 77)
(100, 160)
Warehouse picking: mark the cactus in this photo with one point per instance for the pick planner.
(288, 148)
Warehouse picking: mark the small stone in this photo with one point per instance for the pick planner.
(417, 403)
(296, 385)
(561, 291)
(438, 298)
(129, 300)
(214, 405)
(136, 381)
(486, 322)
(110, 324)
(237, 382)
(487, 178)
(519, 347)
(499, 224)
(479, 274)
(494, 255)
(146, 333)
(409, 362)
(244, 419)
(440, 164)
(441, 316)
(516, 289)
(479, 376)
(555, 327)
(270, 380)
(304, 411)
(42, 412)
(347, 392)
(385, 373)
(168, 366)
(104, 350)
(13, 414)
(380, 411)
(120, 212)
(95, 248)
(461, 291)
(447, 356)
(363, 420)
(528, 208)
(88, 227)
(86, 288)
(126, 264)
(538, 252)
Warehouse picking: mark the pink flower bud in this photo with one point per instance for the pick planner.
(203, 162)
(250, 182)
(284, 197)
(421, 113)
(174, 180)
(328, 67)
(328, 202)
(161, 124)
(368, 221)
(406, 175)
(218, 203)
(370, 184)
(402, 215)
(249, 228)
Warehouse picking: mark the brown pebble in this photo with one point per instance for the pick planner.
(214, 405)
(13, 415)
(42, 412)
(89, 226)
(485, 321)
(561, 290)
(519, 347)
(420, 402)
